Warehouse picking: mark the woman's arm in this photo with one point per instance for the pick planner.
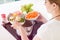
(36, 38)
(22, 31)
(41, 19)
(23, 34)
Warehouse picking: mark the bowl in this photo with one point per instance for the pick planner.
(32, 15)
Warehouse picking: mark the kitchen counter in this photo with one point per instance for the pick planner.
(5, 35)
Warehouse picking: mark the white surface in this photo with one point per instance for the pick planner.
(5, 35)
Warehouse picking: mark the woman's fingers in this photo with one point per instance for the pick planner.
(16, 25)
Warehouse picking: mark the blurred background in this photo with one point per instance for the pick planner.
(11, 6)
(5, 1)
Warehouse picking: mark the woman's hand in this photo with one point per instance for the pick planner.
(41, 18)
(16, 25)
(23, 33)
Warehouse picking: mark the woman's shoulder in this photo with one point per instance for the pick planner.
(53, 24)
(47, 25)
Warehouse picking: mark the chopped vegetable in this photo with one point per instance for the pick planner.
(21, 20)
(27, 8)
(31, 15)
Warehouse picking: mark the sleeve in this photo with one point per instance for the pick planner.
(43, 34)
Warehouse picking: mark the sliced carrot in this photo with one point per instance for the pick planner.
(32, 15)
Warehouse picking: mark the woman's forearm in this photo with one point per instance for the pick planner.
(23, 33)
(21, 29)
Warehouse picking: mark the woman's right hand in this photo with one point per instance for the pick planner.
(16, 25)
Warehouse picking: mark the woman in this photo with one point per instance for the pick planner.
(51, 29)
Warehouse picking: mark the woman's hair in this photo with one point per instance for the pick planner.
(55, 1)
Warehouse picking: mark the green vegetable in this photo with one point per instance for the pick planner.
(27, 8)
(21, 20)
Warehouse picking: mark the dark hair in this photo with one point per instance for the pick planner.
(55, 1)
